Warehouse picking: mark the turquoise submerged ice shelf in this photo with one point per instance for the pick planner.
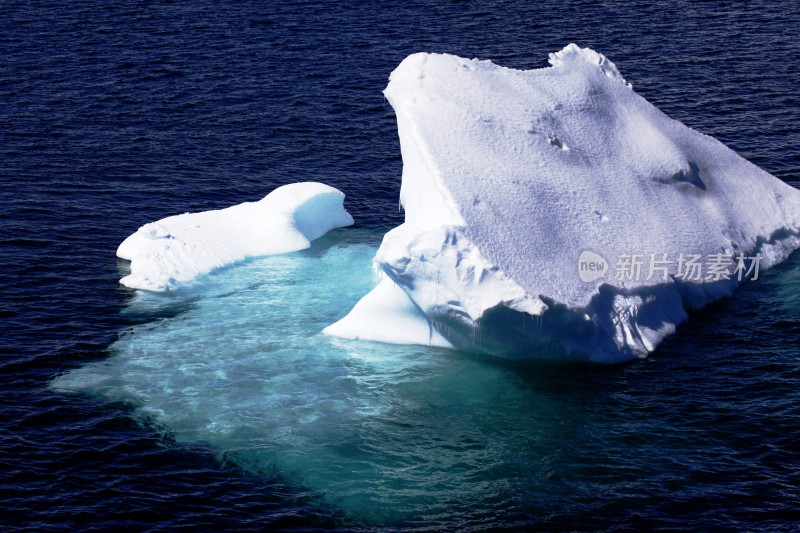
(236, 361)
(398, 435)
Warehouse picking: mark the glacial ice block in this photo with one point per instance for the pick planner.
(510, 176)
(179, 248)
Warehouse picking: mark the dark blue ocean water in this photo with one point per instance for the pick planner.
(116, 114)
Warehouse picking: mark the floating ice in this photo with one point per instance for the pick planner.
(510, 176)
(509, 179)
(181, 247)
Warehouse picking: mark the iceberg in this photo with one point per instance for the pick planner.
(179, 248)
(555, 213)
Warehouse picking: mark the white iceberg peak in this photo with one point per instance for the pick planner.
(572, 53)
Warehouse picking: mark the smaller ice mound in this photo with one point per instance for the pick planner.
(387, 314)
(179, 248)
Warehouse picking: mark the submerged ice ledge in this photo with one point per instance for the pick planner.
(509, 176)
(179, 248)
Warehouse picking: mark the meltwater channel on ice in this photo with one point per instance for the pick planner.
(509, 178)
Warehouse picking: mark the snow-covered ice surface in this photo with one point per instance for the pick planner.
(179, 248)
(509, 176)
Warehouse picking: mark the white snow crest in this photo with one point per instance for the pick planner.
(572, 53)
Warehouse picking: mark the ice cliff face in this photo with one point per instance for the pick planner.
(513, 181)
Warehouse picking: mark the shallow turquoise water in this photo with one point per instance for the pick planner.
(236, 361)
(399, 435)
